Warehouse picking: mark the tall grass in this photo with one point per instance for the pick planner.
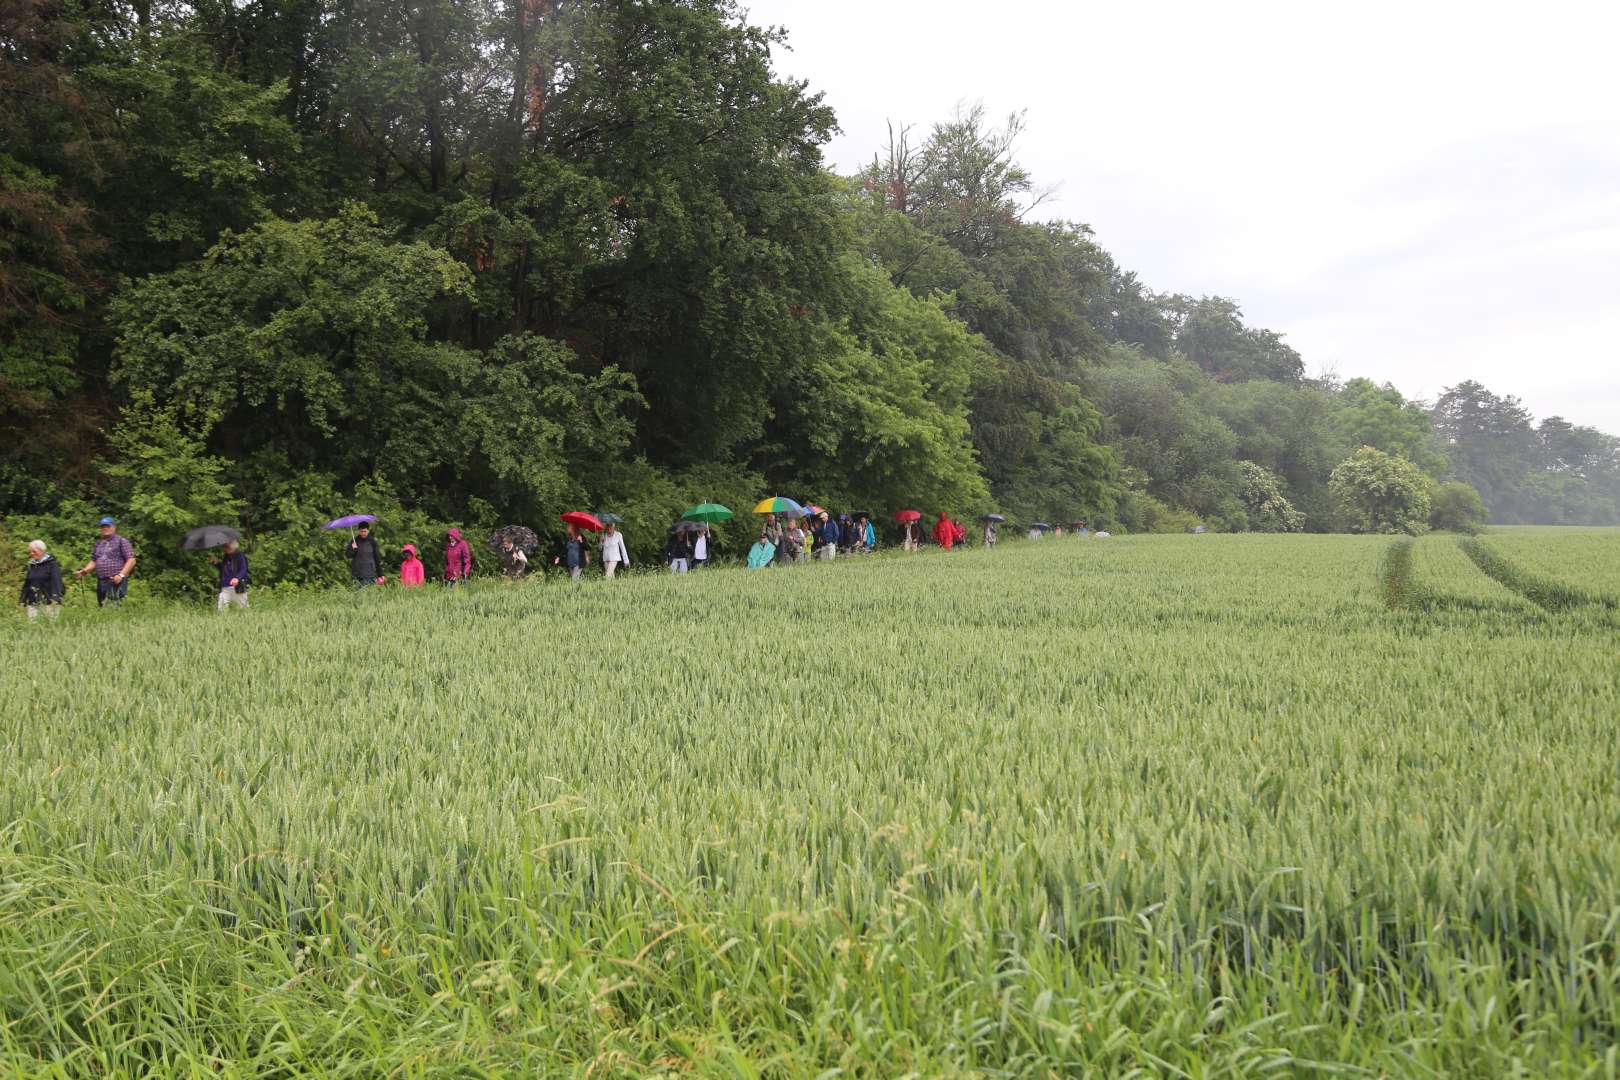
(1172, 805)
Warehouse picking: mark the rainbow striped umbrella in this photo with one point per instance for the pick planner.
(776, 504)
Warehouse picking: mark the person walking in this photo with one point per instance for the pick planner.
(457, 559)
(514, 561)
(700, 547)
(614, 552)
(828, 536)
(112, 559)
(990, 536)
(773, 532)
(793, 541)
(945, 532)
(233, 577)
(365, 558)
(575, 556)
(411, 571)
(678, 552)
(868, 535)
(42, 582)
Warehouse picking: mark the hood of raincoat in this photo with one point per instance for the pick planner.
(454, 534)
(410, 549)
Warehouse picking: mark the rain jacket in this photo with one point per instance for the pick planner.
(871, 535)
(365, 558)
(828, 533)
(42, 582)
(234, 565)
(457, 557)
(945, 532)
(410, 571)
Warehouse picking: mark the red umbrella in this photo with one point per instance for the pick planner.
(583, 520)
(904, 516)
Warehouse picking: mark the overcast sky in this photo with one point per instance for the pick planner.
(1416, 192)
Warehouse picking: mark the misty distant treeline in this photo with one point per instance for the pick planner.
(475, 262)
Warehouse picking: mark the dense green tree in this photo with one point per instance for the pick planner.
(1456, 507)
(1210, 332)
(1382, 493)
(1366, 414)
(1269, 509)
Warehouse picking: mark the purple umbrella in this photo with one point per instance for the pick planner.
(349, 522)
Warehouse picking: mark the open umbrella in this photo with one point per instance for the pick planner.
(581, 519)
(812, 510)
(349, 522)
(708, 512)
(686, 526)
(209, 536)
(522, 537)
(906, 516)
(609, 519)
(997, 518)
(1041, 525)
(776, 504)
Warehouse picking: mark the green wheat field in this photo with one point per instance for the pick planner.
(1190, 806)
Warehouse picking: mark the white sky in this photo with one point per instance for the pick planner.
(1416, 192)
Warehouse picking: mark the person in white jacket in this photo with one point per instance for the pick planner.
(613, 550)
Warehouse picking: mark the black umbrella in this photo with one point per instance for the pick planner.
(1043, 526)
(997, 518)
(209, 536)
(687, 526)
(858, 514)
(522, 538)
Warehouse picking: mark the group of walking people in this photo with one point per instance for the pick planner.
(783, 540)
(112, 560)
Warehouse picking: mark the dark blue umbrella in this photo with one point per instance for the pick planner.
(209, 536)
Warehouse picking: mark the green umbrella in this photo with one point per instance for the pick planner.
(609, 519)
(709, 512)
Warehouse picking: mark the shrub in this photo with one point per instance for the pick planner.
(1382, 493)
(1456, 507)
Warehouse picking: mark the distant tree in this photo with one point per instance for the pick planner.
(1367, 414)
(1491, 445)
(1456, 507)
(1382, 493)
(1210, 332)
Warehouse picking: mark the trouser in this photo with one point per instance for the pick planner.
(699, 564)
(51, 610)
(827, 552)
(362, 582)
(678, 566)
(108, 589)
(231, 595)
(609, 567)
(452, 582)
(575, 571)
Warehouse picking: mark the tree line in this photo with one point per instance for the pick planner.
(475, 261)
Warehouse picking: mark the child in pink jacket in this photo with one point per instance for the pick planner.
(410, 571)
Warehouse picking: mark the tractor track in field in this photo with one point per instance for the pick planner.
(1544, 592)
